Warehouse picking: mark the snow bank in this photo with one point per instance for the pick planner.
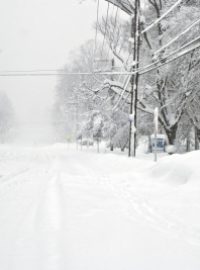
(177, 169)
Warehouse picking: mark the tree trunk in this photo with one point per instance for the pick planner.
(98, 145)
(197, 138)
(171, 134)
(188, 143)
(111, 147)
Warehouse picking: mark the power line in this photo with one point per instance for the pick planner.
(184, 46)
(164, 59)
(32, 70)
(46, 74)
(194, 47)
(61, 74)
(162, 17)
(142, 72)
(177, 54)
(178, 36)
(123, 92)
(159, 19)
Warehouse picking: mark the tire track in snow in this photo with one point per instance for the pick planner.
(39, 233)
(49, 224)
(13, 179)
(21, 200)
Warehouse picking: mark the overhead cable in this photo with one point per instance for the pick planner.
(178, 36)
(162, 17)
(193, 45)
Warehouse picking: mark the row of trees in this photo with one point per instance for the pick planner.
(99, 105)
(6, 118)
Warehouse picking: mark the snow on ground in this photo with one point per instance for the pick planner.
(79, 210)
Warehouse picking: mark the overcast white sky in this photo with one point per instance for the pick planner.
(39, 34)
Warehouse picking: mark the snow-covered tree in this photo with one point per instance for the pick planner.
(168, 87)
(79, 96)
(6, 117)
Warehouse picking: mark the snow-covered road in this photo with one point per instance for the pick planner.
(63, 209)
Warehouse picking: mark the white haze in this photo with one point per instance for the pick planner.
(39, 35)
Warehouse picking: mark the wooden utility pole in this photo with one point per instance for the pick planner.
(112, 68)
(135, 41)
(155, 134)
(134, 11)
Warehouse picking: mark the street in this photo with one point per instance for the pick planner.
(66, 209)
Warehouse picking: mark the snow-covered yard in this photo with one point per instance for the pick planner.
(66, 209)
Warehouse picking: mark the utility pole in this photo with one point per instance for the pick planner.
(155, 134)
(135, 38)
(112, 68)
(76, 112)
(111, 104)
(134, 12)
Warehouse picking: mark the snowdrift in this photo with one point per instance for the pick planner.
(177, 169)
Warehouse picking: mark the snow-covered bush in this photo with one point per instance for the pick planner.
(121, 138)
(170, 149)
